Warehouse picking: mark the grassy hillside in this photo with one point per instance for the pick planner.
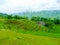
(22, 31)
(14, 38)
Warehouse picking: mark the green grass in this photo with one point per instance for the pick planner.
(8, 37)
(40, 33)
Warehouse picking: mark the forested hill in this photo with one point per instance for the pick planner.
(44, 13)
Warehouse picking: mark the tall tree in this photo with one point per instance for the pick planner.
(9, 17)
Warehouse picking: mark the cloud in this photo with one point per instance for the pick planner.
(11, 6)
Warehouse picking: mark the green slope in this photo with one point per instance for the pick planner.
(14, 38)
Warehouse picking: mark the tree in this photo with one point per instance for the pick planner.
(16, 17)
(44, 19)
(35, 18)
(56, 21)
(9, 17)
(19, 17)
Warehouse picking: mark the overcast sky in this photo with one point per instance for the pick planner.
(13, 6)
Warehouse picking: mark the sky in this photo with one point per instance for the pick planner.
(14, 6)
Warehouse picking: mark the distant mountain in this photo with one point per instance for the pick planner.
(51, 13)
(44, 13)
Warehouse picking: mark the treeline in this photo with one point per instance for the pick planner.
(55, 20)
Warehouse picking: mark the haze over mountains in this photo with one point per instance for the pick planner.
(43, 13)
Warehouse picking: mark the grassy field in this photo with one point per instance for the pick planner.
(8, 37)
(52, 35)
(13, 34)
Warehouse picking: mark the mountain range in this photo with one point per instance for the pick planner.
(44, 13)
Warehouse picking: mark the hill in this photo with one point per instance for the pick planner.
(44, 13)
